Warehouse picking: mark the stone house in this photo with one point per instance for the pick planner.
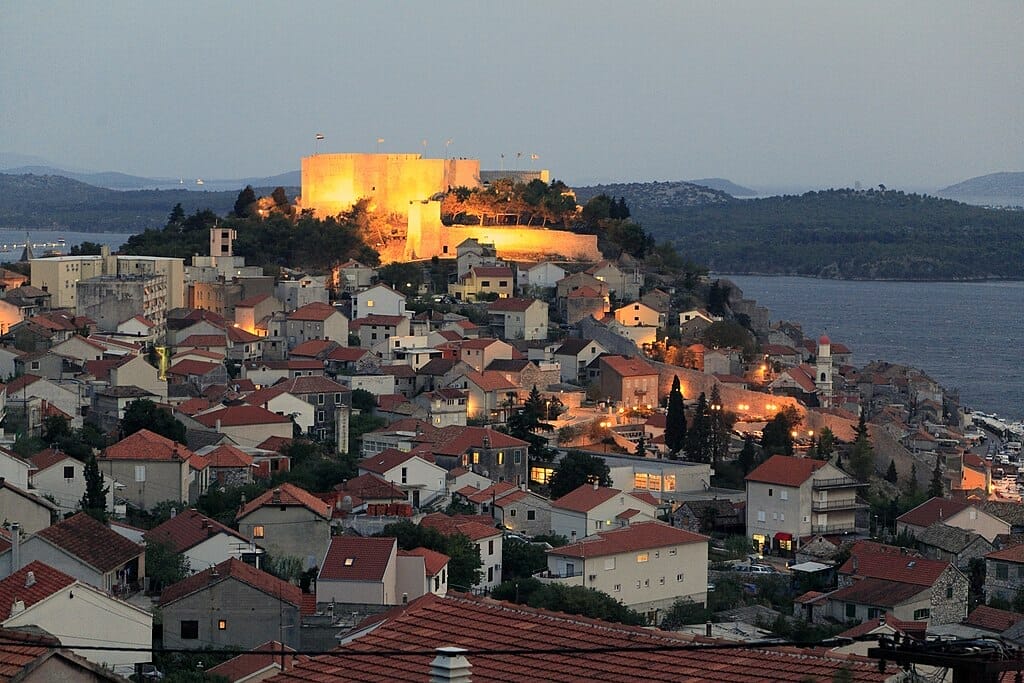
(952, 544)
(629, 381)
(1004, 572)
(583, 303)
(288, 521)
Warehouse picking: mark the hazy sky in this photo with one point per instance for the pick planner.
(913, 94)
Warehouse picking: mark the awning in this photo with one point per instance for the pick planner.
(783, 536)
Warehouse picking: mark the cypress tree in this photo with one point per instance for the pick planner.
(890, 474)
(675, 420)
(94, 500)
(935, 488)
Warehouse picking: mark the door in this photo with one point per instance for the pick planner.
(415, 498)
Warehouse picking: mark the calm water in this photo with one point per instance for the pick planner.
(964, 335)
(13, 242)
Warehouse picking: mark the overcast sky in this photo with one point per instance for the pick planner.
(910, 94)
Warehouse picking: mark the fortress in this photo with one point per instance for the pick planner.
(411, 187)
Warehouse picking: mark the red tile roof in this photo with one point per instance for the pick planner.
(317, 384)
(511, 304)
(347, 354)
(188, 529)
(585, 498)
(1012, 554)
(240, 336)
(491, 271)
(203, 341)
(635, 537)
(371, 487)
(388, 459)
(433, 561)
(628, 367)
(931, 511)
(21, 652)
(227, 455)
(785, 470)
(475, 527)
(92, 542)
(866, 561)
(313, 348)
(916, 629)
(455, 440)
(992, 619)
(352, 558)
(494, 491)
(193, 406)
(264, 657)
(475, 624)
(240, 571)
(315, 311)
(491, 380)
(877, 592)
(47, 458)
(238, 416)
(288, 495)
(192, 367)
(146, 445)
(15, 587)
(275, 443)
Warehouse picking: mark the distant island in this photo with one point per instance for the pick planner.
(994, 189)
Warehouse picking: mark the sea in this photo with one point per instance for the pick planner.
(965, 335)
(12, 243)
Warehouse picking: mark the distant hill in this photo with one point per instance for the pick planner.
(643, 197)
(848, 234)
(725, 185)
(108, 179)
(52, 202)
(1004, 189)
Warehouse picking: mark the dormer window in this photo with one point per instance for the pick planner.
(349, 561)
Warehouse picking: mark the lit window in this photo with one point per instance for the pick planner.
(222, 625)
(369, 303)
(501, 457)
(349, 561)
(642, 557)
(476, 458)
(258, 531)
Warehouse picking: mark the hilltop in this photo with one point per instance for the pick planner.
(654, 196)
(845, 233)
(725, 185)
(1003, 189)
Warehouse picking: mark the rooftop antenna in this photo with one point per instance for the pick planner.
(380, 141)
(319, 137)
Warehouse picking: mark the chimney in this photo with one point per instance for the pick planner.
(276, 496)
(595, 484)
(450, 666)
(856, 564)
(17, 608)
(707, 629)
(15, 547)
(30, 579)
(218, 425)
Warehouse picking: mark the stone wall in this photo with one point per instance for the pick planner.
(949, 598)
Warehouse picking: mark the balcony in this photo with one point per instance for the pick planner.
(836, 483)
(849, 527)
(832, 505)
(569, 579)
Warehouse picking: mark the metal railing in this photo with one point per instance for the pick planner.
(835, 483)
(832, 528)
(825, 506)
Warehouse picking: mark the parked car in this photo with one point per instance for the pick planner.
(762, 569)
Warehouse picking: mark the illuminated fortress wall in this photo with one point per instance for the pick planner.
(332, 183)
(427, 237)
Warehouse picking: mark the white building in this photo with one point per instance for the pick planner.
(592, 508)
(378, 300)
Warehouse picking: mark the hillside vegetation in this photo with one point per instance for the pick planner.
(873, 234)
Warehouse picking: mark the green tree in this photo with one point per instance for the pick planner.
(862, 458)
(527, 424)
(720, 422)
(94, 500)
(285, 567)
(363, 400)
(575, 469)
(403, 277)
(464, 564)
(935, 487)
(675, 420)
(177, 215)
(699, 435)
(777, 435)
(164, 566)
(144, 414)
(890, 474)
(826, 443)
(521, 560)
(748, 457)
(683, 613)
(568, 599)
(245, 205)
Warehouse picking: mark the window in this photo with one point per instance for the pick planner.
(517, 457)
(490, 547)
(258, 531)
(921, 614)
(661, 581)
(501, 457)
(617, 588)
(851, 610)
(69, 471)
(437, 583)
(638, 585)
(476, 458)
(35, 365)
(369, 303)
(485, 283)
(531, 515)
(760, 515)
(405, 475)
(1020, 571)
(490, 574)
(337, 398)
(782, 516)
(1002, 570)
(189, 629)
(874, 612)
(140, 473)
(349, 561)
(679, 577)
(642, 557)
(222, 625)
(784, 495)
(609, 563)
(320, 416)
(503, 283)
(769, 493)
(512, 512)
(672, 552)
(949, 591)
(775, 515)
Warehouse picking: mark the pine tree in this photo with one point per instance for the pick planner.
(94, 500)
(748, 456)
(890, 474)
(862, 458)
(935, 488)
(698, 436)
(675, 421)
(245, 203)
(720, 421)
(641, 446)
(862, 426)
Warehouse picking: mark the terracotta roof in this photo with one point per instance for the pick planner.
(388, 459)
(21, 652)
(490, 380)
(227, 455)
(475, 527)
(893, 567)
(398, 370)
(264, 657)
(287, 495)
(370, 486)
(475, 623)
(931, 511)
(878, 592)
(352, 558)
(628, 367)
(433, 561)
(491, 271)
(238, 416)
(494, 491)
(785, 470)
(240, 336)
(455, 440)
(203, 340)
(314, 311)
(992, 619)
(188, 529)
(375, 319)
(47, 458)
(92, 542)
(635, 537)
(193, 354)
(511, 304)
(15, 587)
(240, 571)
(916, 629)
(316, 384)
(1014, 553)
(275, 443)
(585, 292)
(347, 354)
(313, 348)
(585, 498)
(193, 367)
(193, 406)
(478, 343)
(19, 383)
(146, 445)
